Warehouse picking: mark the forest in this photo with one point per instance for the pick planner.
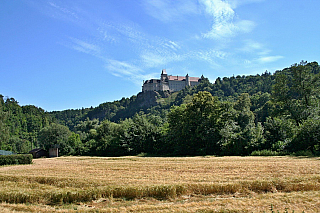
(267, 114)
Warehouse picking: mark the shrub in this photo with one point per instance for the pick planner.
(307, 153)
(265, 152)
(308, 137)
(15, 159)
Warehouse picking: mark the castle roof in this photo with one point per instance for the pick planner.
(182, 78)
(152, 81)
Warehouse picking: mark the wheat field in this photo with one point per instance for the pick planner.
(159, 184)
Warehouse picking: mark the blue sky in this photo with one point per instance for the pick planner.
(63, 54)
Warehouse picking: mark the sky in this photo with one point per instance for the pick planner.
(67, 54)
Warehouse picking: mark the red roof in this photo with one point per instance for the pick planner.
(181, 78)
(194, 78)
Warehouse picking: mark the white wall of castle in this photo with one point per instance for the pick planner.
(155, 86)
(164, 84)
(177, 85)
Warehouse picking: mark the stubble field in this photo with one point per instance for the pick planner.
(142, 184)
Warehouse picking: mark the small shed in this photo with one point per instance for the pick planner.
(3, 152)
(53, 152)
(38, 153)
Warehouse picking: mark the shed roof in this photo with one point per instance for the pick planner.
(36, 150)
(3, 152)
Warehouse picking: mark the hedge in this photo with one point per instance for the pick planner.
(15, 159)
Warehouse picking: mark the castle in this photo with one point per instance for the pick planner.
(169, 83)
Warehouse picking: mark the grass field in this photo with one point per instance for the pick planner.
(142, 184)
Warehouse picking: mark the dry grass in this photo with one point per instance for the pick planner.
(195, 184)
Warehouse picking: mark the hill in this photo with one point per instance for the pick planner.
(159, 102)
(267, 114)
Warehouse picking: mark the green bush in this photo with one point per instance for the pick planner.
(265, 152)
(307, 153)
(15, 159)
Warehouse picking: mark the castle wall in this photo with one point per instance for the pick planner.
(169, 83)
(152, 85)
(176, 85)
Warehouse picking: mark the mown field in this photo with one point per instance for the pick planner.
(143, 184)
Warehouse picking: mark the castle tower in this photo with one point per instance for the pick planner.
(164, 75)
(188, 80)
(164, 84)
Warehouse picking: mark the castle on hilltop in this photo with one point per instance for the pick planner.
(169, 83)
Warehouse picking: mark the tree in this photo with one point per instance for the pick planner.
(143, 134)
(244, 115)
(55, 135)
(279, 132)
(86, 129)
(296, 90)
(87, 125)
(261, 106)
(107, 140)
(308, 136)
(193, 128)
(4, 132)
(78, 148)
(240, 135)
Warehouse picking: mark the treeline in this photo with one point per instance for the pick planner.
(269, 113)
(20, 125)
(159, 103)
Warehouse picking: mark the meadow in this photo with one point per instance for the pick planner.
(159, 184)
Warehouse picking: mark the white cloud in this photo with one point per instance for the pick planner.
(268, 59)
(245, 26)
(168, 10)
(150, 59)
(251, 46)
(64, 10)
(106, 35)
(112, 31)
(224, 16)
(219, 9)
(236, 3)
(210, 55)
(85, 47)
(122, 68)
(128, 71)
(254, 47)
(60, 11)
(247, 61)
(153, 59)
(173, 45)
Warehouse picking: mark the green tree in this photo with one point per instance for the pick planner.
(143, 134)
(261, 106)
(279, 132)
(296, 90)
(4, 131)
(107, 139)
(193, 128)
(87, 129)
(308, 136)
(77, 147)
(55, 135)
(175, 130)
(240, 135)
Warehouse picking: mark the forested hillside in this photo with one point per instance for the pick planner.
(239, 115)
(20, 125)
(160, 102)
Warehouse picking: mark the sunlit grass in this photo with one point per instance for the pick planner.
(152, 182)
